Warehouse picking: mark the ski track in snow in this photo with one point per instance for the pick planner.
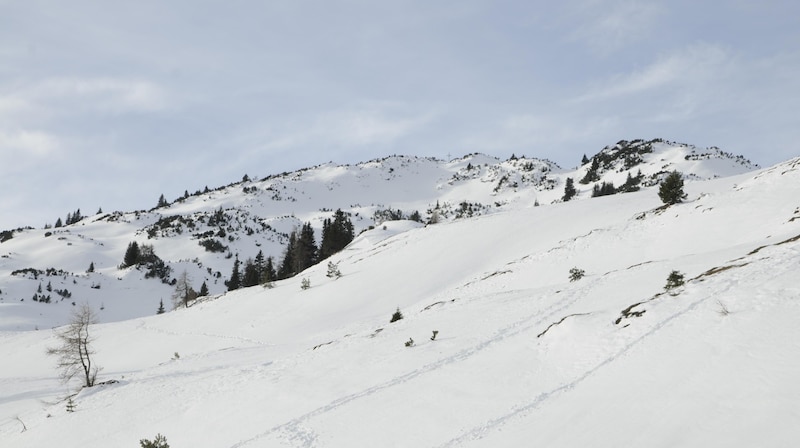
(481, 431)
(299, 434)
(295, 430)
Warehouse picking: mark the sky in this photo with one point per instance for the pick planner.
(111, 104)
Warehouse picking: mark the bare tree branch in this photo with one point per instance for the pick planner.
(74, 355)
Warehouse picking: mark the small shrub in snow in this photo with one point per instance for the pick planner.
(333, 270)
(410, 342)
(396, 316)
(674, 280)
(435, 333)
(70, 405)
(159, 442)
(576, 274)
(305, 284)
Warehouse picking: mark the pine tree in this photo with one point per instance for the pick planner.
(161, 307)
(584, 160)
(250, 276)
(671, 189)
(58, 223)
(235, 281)
(91, 267)
(132, 255)
(269, 275)
(569, 190)
(162, 202)
(203, 290)
(305, 249)
(336, 234)
(286, 269)
(674, 280)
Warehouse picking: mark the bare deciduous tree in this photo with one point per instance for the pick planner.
(75, 352)
(184, 294)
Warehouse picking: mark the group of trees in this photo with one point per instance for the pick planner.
(258, 271)
(144, 255)
(301, 253)
(72, 218)
(670, 190)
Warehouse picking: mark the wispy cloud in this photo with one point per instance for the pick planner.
(610, 25)
(26, 143)
(698, 64)
(105, 94)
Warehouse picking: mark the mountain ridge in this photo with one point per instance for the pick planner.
(202, 232)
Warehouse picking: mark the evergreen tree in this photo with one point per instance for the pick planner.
(268, 275)
(160, 307)
(162, 202)
(287, 266)
(336, 234)
(235, 281)
(250, 276)
(203, 290)
(569, 190)
(671, 189)
(260, 264)
(58, 223)
(305, 249)
(132, 255)
(584, 160)
(591, 174)
(91, 267)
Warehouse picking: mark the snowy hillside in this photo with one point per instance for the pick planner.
(523, 356)
(44, 271)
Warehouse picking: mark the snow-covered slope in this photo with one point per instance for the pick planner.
(246, 217)
(523, 356)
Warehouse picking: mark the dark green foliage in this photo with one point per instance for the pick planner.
(131, 255)
(671, 189)
(336, 234)
(159, 442)
(604, 189)
(162, 202)
(305, 249)
(235, 282)
(631, 183)
(286, 269)
(251, 275)
(160, 307)
(591, 175)
(91, 267)
(396, 316)
(674, 280)
(73, 218)
(410, 342)
(203, 290)
(212, 245)
(569, 189)
(576, 274)
(268, 275)
(584, 160)
(415, 216)
(6, 235)
(59, 223)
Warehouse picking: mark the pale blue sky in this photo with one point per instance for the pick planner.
(113, 103)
